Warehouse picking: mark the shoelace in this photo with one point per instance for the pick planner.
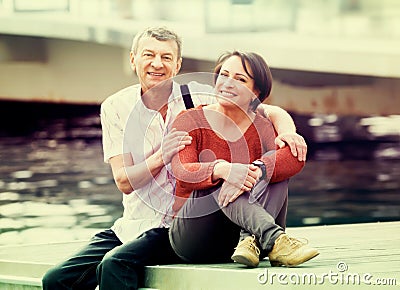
(294, 241)
(251, 244)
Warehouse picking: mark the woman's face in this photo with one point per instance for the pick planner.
(234, 86)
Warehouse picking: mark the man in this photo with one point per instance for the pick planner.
(139, 145)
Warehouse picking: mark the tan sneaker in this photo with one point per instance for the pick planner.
(290, 252)
(247, 252)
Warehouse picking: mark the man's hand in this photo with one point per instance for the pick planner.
(296, 142)
(174, 142)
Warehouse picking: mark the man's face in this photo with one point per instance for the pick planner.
(155, 61)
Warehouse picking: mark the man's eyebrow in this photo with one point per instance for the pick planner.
(152, 51)
(147, 50)
(167, 53)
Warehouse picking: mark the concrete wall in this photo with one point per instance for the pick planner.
(62, 71)
(362, 96)
(57, 70)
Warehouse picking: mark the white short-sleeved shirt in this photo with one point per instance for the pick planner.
(130, 127)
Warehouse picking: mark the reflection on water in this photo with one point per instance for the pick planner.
(52, 176)
(54, 185)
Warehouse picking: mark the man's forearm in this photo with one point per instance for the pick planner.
(282, 121)
(129, 176)
(142, 173)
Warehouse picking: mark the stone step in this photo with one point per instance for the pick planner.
(355, 255)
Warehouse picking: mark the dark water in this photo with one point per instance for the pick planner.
(54, 185)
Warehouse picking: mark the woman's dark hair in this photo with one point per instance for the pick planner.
(261, 73)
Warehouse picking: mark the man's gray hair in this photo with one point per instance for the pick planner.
(160, 33)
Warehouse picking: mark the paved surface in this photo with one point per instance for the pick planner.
(356, 256)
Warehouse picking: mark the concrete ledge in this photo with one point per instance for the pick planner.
(356, 255)
(18, 282)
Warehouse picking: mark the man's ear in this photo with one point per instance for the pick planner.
(132, 60)
(178, 66)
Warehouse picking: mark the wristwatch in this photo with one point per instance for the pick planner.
(261, 165)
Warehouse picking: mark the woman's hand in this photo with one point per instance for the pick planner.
(238, 178)
(241, 176)
(228, 193)
(296, 142)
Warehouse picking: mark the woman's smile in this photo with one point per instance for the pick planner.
(227, 94)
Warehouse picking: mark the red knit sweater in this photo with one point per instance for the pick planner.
(193, 166)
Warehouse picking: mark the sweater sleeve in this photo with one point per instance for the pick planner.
(190, 173)
(281, 165)
(279, 162)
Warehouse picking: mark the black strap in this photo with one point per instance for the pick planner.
(187, 98)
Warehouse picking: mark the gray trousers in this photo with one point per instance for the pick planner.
(203, 232)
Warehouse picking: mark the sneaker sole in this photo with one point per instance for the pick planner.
(278, 264)
(243, 260)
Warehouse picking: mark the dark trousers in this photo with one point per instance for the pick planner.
(203, 232)
(106, 262)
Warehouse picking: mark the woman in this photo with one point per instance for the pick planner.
(226, 170)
